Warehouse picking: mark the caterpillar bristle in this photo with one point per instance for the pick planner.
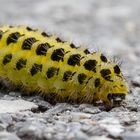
(117, 60)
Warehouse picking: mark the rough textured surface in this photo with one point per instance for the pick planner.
(112, 26)
(15, 106)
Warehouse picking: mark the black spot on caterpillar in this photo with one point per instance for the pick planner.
(58, 54)
(74, 59)
(90, 65)
(81, 78)
(36, 68)
(7, 58)
(21, 63)
(67, 75)
(13, 37)
(42, 49)
(44, 63)
(27, 43)
(52, 71)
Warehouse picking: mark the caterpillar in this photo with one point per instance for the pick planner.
(43, 63)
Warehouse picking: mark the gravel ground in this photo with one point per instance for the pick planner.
(112, 26)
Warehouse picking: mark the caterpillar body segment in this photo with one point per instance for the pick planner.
(46, 64)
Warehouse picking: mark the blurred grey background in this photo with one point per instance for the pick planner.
(108, 25)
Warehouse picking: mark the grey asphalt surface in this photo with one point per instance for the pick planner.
(112, 26)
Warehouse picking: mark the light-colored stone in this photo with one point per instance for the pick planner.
(112, 126)
(7, 106)
(77, 116)
(99, 138)
(8, 136)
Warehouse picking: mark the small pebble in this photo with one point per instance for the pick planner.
(99, 138)
(112, 126)
(131, 136)
(8, 136)
(77, 116)
(7, 106)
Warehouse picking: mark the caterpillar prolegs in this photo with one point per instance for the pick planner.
(48, 65)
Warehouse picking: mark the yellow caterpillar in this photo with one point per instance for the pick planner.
(45, 64)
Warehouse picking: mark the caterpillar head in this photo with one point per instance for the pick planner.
(113, 85)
